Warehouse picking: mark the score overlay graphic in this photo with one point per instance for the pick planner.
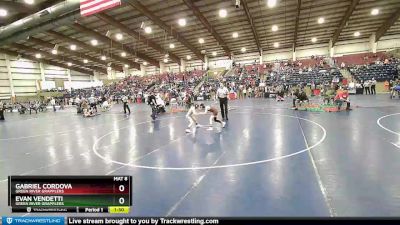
(85, 194)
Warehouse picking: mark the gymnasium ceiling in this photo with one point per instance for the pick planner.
(297, 22)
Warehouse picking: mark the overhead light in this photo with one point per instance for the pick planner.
(38, 56)
(30, 2)
(3, 12)
(314, 39)
(136, 60)
(54, 51)
(188, 57)
(276, 44)
(235, 35)
(126, 66)
(109, 68)
(119, 36)
(182, 22)
(374, 12)
(271, 3)
(171, 45)
(94, 42)
(214, 53)
(274, 28)
(201, 40)
(69, 64)
(85, 61)
(148, 30)
(166, 55)
(72, 47)
(145, 63)
(165, 60)
(321, 20)
(243, 49)
(103, 57)
(123, 54)
(222, 13)
(356, 34)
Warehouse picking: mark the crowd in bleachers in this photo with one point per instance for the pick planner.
(274, 79)
(136, 89)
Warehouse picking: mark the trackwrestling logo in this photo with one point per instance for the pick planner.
(33, 220)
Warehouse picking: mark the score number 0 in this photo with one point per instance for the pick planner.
(121, 200)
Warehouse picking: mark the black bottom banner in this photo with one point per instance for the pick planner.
(222, 221)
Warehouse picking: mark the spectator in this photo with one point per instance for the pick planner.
(367, 87)
(373, 85)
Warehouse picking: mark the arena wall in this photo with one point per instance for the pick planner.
(25, 74)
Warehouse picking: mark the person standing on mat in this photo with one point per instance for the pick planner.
(373, 85)
(53, 103)
(191, 116)
(126, 106)
(2, 109)
(152, 101)
(367, 85)
(222, 94)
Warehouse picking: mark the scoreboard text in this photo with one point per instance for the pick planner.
(86, 194)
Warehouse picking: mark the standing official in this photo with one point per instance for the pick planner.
(126, 106)
(373, 85)
(222, 94)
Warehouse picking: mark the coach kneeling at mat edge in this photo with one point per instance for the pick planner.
(222, 94)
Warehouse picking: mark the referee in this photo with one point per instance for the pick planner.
(222, 94)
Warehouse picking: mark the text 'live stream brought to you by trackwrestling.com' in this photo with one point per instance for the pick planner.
(140, 221)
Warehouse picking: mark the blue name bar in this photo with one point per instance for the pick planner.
(15, 220)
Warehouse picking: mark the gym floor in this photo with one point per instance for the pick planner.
(268, 161)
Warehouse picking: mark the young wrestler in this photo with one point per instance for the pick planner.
(191, 117)
(214, 115)
(341, 97)
(299, 98)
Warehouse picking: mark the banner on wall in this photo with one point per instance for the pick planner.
(227, 64)
(80, 85)
(47, 85)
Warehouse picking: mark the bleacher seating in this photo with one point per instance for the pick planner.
(379, 72)
(360, 59)
(294, 76)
